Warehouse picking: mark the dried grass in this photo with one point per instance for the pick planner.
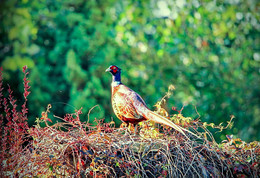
(105, 151)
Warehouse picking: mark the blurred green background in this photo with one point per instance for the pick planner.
(209, 50)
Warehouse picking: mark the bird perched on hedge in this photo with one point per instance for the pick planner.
(129, 107)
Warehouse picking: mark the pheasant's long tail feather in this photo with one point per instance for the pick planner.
(162, 120)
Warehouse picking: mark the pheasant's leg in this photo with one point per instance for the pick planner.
(130, 128)
(125, 125)
(135, 131)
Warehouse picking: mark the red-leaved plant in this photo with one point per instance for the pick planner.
(13, 124)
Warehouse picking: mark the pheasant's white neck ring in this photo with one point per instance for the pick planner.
(115, 83)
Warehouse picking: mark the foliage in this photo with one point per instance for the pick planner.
(208, 49)
(14, 125)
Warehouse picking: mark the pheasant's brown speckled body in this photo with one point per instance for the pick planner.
(129, 107)
(126, 104)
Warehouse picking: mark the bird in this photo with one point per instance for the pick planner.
(130, 108)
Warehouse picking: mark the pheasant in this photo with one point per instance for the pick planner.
(129, 107)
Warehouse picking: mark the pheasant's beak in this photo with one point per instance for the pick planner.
(108, 70)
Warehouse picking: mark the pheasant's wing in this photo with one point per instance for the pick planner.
(127, 103)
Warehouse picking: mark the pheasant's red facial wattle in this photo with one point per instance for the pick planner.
(114, 69)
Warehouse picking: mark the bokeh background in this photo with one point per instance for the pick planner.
(209, 50)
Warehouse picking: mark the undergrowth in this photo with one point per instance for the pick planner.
(79, 149)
